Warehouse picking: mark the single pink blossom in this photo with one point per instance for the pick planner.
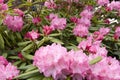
(107, 65)
(3, 60)
(84, 21)
(50, 4)
(14, 23)
(58, 23)
(32, 35)
(8, 72)
(52, 16)
(117, 33)
(47, 30)
(114, 5)
(80, 30)
(104, 31)
(86, 14)
(19, 12)
(47, 59)
(102, 2)
(3, 7)
(36, 20)
(1, 1)
(74, 19)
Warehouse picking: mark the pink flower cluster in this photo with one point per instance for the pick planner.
(7, 70)
(32, 35)
(54, 60)
(3, 6)
(117, 33)
(56, 22)
(102, 2)
(50, 4)
(36, 20)
(19, 12)
(14, 23)
(114, 5)
(92, 44)
(83, 23)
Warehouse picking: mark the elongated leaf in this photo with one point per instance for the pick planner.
(95, 60)
(2, 44)
(55, 40)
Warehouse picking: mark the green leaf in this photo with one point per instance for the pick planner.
(27, 55)
(28, 47)
(24, 43)
(2, 44)
(55, 40)
(26, 74)
(95, 60)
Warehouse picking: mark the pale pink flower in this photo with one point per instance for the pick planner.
(74, 19)
(104, 31)
(14, 23)
(107, 65)
(3, 7)
(3, 61)
(50, 4)
(84, 21)
(32, 35)
(36, 20)
(58, 23)
(1, 1)
(47, 30)
(79, 63)
(86, 14)
(8, 72)
(117, 33)
(47, 59)
(102, 2)
(85, 44)
(114, 5)
(80, 30)
(19, 12)
(52, 16)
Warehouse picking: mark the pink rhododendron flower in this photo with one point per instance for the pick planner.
(86, 14)
(79, 63)
(84, 21)
(1, 1)
(3, 7)
(102, 2)
(58, 23)
(104, 31)
(105, 66)
(85, 44)
(99, 35)
(32, 35)
(50, 4)
(19, 12)
(47, 30)
(81, 30)
(36, 20)
(74, 19)
(3, 61)
(14, 23)
(114, 5)
(7, 70)
(52, 16)
(47, 59)
(117, 33)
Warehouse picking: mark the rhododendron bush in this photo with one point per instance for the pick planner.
(59, 40)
